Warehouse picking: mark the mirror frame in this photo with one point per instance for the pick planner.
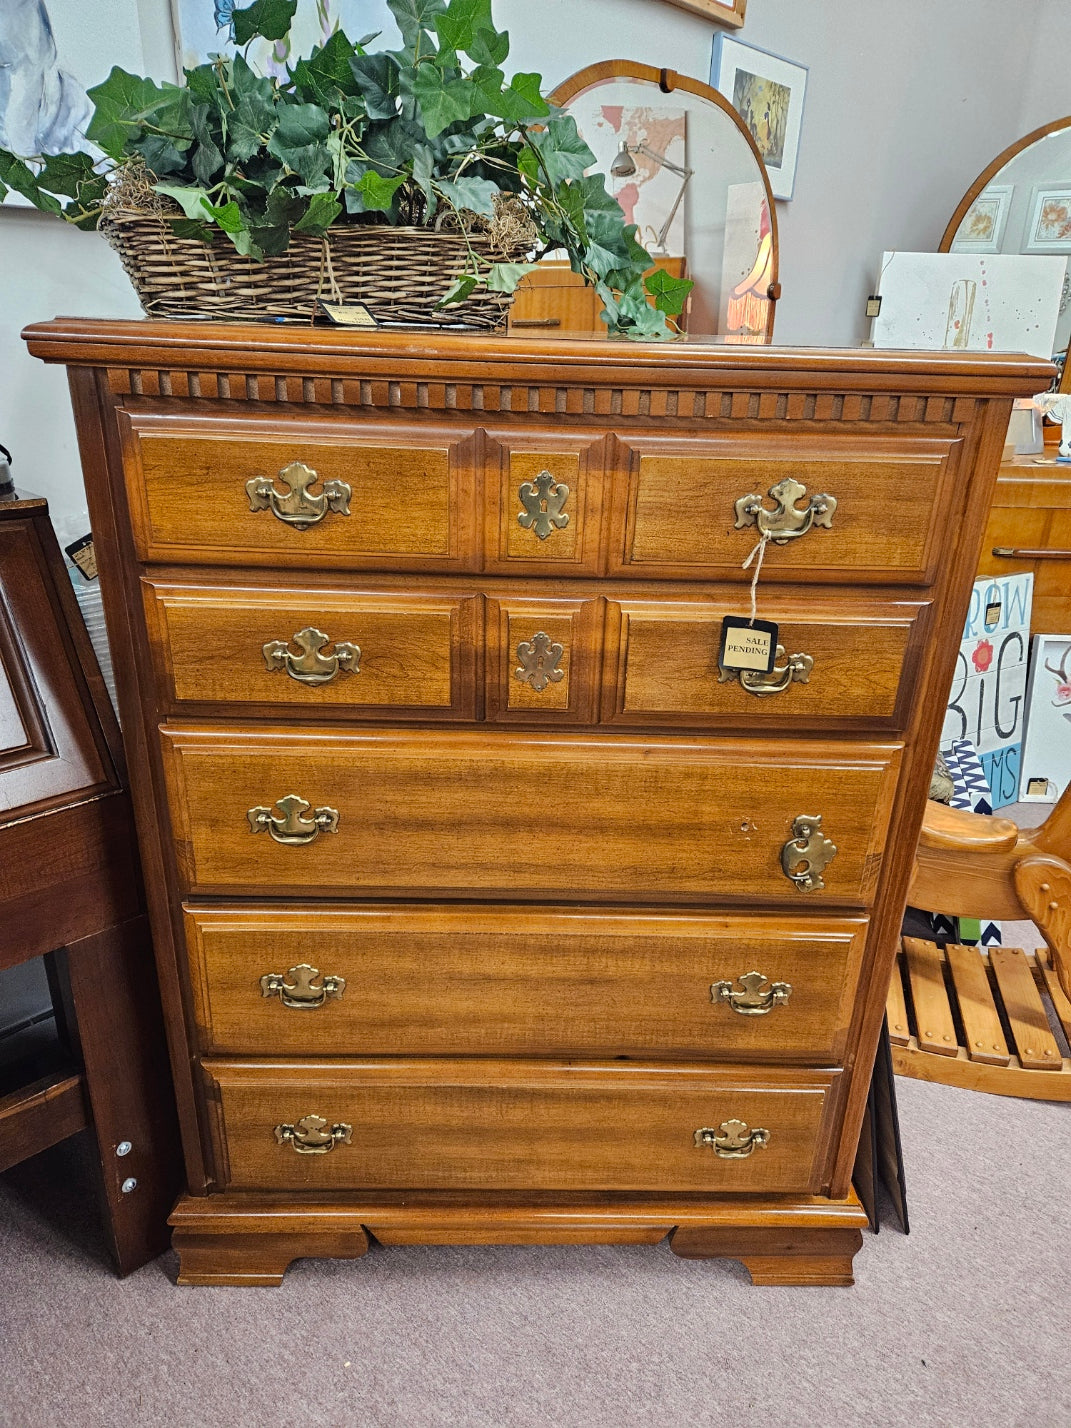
(983, 179)
(667, 81)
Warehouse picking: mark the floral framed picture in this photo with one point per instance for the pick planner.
(767, 92)
(982, 229)
(722, 12)
(1048, 224)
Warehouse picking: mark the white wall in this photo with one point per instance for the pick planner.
(906, 104)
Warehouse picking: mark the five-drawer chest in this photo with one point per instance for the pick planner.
(492, 901)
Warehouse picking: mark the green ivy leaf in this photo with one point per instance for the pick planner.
(118, 104)
(504, 277)
(442, 102)
(193, 201)
(300, 141)
(561, 148)
(378, 81)
(270, 19)
(270, 229)
(67, 174)
(488, 46)
(17, 176)
(227, 217)
(323, 209)
(415, 17)
(423, 166)
(190, 228)
(378, 192)
(669, 293)
(527, 87)
(161, 155)
(252, 120)
(458, 290)
(475, 194)
(458, 24)
(326, 74)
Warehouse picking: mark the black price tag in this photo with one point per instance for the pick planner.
(992, 614)
(873, 306)
(747, 644)
(352, 314)
(84, 556)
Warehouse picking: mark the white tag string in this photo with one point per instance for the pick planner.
(760, 551)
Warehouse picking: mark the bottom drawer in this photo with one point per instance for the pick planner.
(515, 1125)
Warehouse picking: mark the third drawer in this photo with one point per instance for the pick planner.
(364, 980)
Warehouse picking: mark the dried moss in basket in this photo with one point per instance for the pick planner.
(429, 135)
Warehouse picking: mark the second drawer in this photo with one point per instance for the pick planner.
(516, 981)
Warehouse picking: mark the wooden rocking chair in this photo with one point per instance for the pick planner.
(979, 1018)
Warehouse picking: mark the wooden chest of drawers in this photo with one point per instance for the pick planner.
(488, 907)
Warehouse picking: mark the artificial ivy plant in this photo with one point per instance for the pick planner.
(427, 134)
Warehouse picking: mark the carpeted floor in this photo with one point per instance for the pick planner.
(961, 1323)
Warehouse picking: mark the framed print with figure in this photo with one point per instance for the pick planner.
(767, 92)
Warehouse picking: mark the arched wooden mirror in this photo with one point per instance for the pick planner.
(1021, 203)
(684, 167)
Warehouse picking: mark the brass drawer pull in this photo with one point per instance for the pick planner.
(311, 1136)
(542, 506)
(787, 522)
(539, 662)
(757, 997)
(1008, 552)
(796, 670)
(807, 853)
(535, 322)
(299, 991)
(312, 666)
(295, 506)
(733, 1140)
(291, 828)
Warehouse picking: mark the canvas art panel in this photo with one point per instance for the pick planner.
(969, 302)
(768, 93)
(51, 52)
(655, 136)
(1047, 745)
(987, 700)
(982, 229)
(1048, 224)
(202, 30)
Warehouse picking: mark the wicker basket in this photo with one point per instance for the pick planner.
(399, 274)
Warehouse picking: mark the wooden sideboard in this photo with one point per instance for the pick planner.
(487, 911)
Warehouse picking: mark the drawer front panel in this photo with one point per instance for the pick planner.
(390, 653)
(542, 659)
(515, 981)
(681, 518)
(521, 815)
(240, 494)
(514, 1126)
(844, 665)
(543, 496)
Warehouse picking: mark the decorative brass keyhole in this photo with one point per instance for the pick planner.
(756, 995)
(312, 666)
(543, 500)
(733, 1140)
(807, 853)
(311, 1136)
(291, 828)
(796, 669)
(298, 992)
(786, 522)
(296, 506)
(539, 662)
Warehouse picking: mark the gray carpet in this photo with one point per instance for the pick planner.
(963, 1322)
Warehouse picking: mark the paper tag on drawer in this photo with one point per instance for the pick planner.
(747, 644)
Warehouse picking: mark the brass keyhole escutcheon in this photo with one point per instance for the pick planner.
(312, 666)
(297, 506)
(807, 853)
(543, 500)
(539, 662)
(312, 1135)
(296, 988)
(289, 826)
(733, 1140)
(755, 995)
(786, 521)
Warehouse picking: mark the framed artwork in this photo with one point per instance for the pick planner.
(51, 52)
(767, 93)
(1048, 226)
(722, 12)
(982, 229)
(202, 29)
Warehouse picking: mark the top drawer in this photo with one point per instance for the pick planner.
(836, 507)
(292, 493)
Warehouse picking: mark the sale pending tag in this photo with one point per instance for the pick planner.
(747, 644)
